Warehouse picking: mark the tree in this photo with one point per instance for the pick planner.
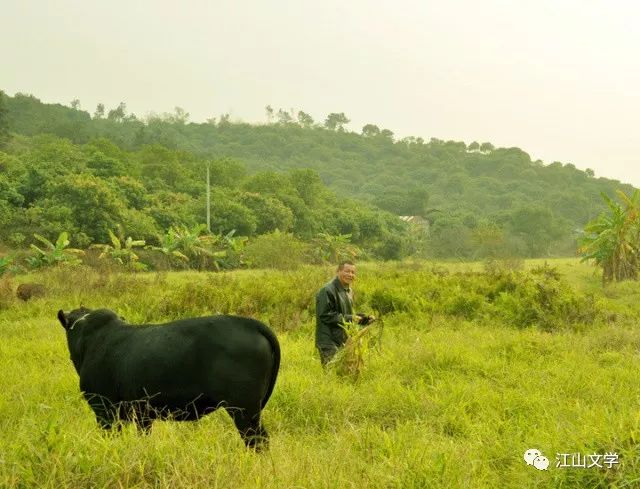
(613, 240)
(179, 116)
(227, 172)
(417, 201)
(335, 122)
(4, 122)
(305, 120)
(99, 113)
(118, 114)
(387, 134)
(328, 248)
(94, 205)
(538, 227)
(370, 130)
(449, 237)
(474, 146)
(75, 104)
(174, 208)
(284, 117)
(488, 240)
(308, 184)
(271, 213)
(228, 215)
(487, 147)
(105, 166)
(269, 110)
(160, 167)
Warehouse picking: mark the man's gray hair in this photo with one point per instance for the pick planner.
(345, 262)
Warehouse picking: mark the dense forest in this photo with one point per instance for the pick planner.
(64, 169)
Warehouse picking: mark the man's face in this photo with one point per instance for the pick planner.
(347, 274)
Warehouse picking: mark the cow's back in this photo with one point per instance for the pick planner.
(224, 359)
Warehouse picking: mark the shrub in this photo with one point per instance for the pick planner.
(466, 304)
(282, 251)
(542, 298)
(7, 264)
(386, 301)
(6, 293)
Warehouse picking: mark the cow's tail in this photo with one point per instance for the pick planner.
(275, 345)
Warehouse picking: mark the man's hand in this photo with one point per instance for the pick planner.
(365, 320)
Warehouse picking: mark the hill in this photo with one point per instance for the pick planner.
(479, 200)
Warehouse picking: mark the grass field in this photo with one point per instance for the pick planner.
(455, 395)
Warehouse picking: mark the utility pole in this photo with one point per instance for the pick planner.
(208, 199)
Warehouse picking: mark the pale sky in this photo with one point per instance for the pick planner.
(559, 79)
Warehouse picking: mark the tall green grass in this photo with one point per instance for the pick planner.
(455, 395)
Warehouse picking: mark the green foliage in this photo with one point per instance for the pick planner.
(349, 361)
(450, 237)
(613, 241)
(336, 121)
(233, 247)
(278, 250)
(92, 202)
(392, 247)
(270, 212)
(535, 208)
(442, 388)
(389, 300)
(122, 252)
(7, 264)
(4, 122)
(537, 298)
(541, 298)
(53, 254)
(327, 248)
(537, 227)
(227, 172)
(190, 245)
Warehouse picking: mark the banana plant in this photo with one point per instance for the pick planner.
(191, 245)
(53, 253)
(122, 253)
(612, 240)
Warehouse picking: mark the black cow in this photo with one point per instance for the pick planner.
(180, 370)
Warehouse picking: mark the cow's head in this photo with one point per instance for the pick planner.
(71, 319)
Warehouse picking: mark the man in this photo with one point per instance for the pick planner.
(334, 306)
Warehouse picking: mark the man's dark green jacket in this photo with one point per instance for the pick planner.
(333, 307)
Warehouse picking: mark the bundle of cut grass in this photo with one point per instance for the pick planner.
(349, 361)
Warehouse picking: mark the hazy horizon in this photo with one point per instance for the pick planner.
(557, 79)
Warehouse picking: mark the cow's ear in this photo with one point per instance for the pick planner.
(63, 319)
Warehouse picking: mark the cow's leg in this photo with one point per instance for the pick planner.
(141, 413)
(144, 425)
(251, 430)
(106, 416)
